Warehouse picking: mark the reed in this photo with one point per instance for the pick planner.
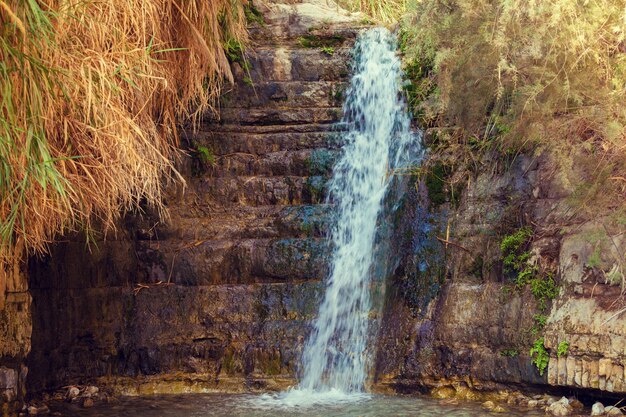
(91, 95)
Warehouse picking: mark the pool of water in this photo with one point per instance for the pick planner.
(248, 405)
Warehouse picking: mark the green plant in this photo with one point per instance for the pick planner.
(562, 348)
(539, 355)
(205, 155)
(594, 259)
(314, 41)
(511, 353)
(512, 247)
(544, 289)
(540, 322)
(328, 50)
(253, 15)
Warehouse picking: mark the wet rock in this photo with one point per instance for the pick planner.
(612, 411)
(34, 410)
(560, 408)
(443, 392)
(533, 404)
(597, 409)
(87, 403)
(91, 390)
(72, 392)
(575, 404)
(489, 405)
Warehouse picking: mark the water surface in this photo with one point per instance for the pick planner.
(203, 405)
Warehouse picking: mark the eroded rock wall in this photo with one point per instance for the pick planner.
(476, 328)
(218, 296)
(15, 333)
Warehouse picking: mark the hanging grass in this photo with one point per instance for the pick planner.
(91, 94)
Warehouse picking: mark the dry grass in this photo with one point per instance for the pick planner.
(383, 11)
(521, 65)
(522, 75)
(91, 94)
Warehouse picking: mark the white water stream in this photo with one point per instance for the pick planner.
(378, 140)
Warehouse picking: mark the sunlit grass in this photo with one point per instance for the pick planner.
(91, 94)
(383, 11)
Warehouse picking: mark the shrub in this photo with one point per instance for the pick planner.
(526, 62)
(511, 76)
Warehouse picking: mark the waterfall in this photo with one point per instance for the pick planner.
(378, 140)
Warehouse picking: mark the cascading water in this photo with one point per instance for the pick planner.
(378, 140)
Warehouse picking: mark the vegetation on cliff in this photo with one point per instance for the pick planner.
(510, 76)
(91, 94)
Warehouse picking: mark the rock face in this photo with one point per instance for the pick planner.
(219, 296)
(15, 333)
(470, 325)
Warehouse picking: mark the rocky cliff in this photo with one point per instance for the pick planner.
(473, 324)
(219, 296)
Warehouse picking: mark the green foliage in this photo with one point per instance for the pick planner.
(511, 353)
(328, 50)
(562, 348)
(234, 50)
(440, 189)
(540, 322)
(512, 247)
(515, 257)
(314, 41)
(516, 260)
(544, 289)
(202, 158)
(253, 15)
(594, 259)
(205, 155)
(539, 355)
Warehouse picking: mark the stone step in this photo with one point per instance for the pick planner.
(205, 194)
(245, 223)
(233, 261)
(215, 126)
(289, 163)
(223, 143)
(285, 94)
(288, 63)
(274, 116)
(283, 31)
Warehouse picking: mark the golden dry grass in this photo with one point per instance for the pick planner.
(383, 11)
(91, 94)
